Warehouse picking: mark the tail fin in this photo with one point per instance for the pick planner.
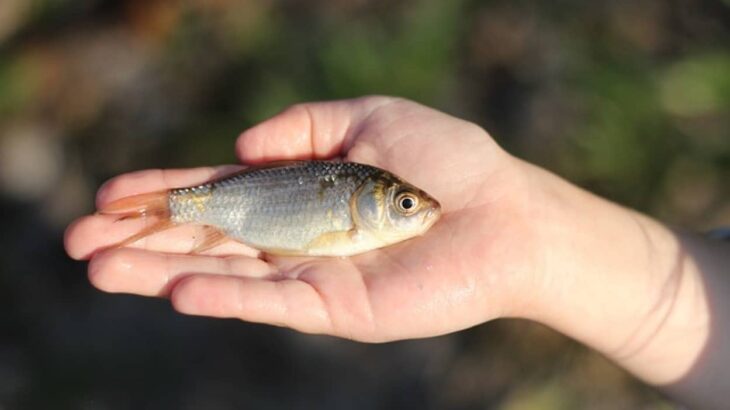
(153, 204)
(135, 206)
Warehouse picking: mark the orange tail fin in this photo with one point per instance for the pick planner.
(153, 204)
(135, 206)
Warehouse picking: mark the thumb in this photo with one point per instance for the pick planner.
(307, 131)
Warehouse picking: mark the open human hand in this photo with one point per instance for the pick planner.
(513, 241)
(470, 267)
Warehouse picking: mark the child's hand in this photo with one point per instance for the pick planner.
(513, 240)
(469, 268)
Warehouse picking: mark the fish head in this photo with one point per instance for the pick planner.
(393, 210)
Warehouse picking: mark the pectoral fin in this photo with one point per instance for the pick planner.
(342, 243)
(330, 240)
(212, 237)
(158, 226)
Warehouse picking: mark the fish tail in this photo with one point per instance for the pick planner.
(142, 205)
(154, 204)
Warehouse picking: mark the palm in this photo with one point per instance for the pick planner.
(426, 286)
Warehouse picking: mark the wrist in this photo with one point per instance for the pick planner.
(615, 280)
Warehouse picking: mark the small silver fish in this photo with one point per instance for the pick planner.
(316, 208)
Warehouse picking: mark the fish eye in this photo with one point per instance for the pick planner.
(406, 203)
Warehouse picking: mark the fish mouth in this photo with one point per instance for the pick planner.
(432, 215)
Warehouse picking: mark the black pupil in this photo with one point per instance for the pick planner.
(407, 203)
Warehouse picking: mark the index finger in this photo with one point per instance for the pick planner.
(317, 130)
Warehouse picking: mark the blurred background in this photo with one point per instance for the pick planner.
(630, 99)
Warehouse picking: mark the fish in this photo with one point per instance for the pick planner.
(293, 208)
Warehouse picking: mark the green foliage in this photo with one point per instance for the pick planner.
(640, 119)
(19, 85)
(412, 55)
(413, 60)
(697, 86)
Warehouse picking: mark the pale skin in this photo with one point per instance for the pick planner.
(513, 241)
